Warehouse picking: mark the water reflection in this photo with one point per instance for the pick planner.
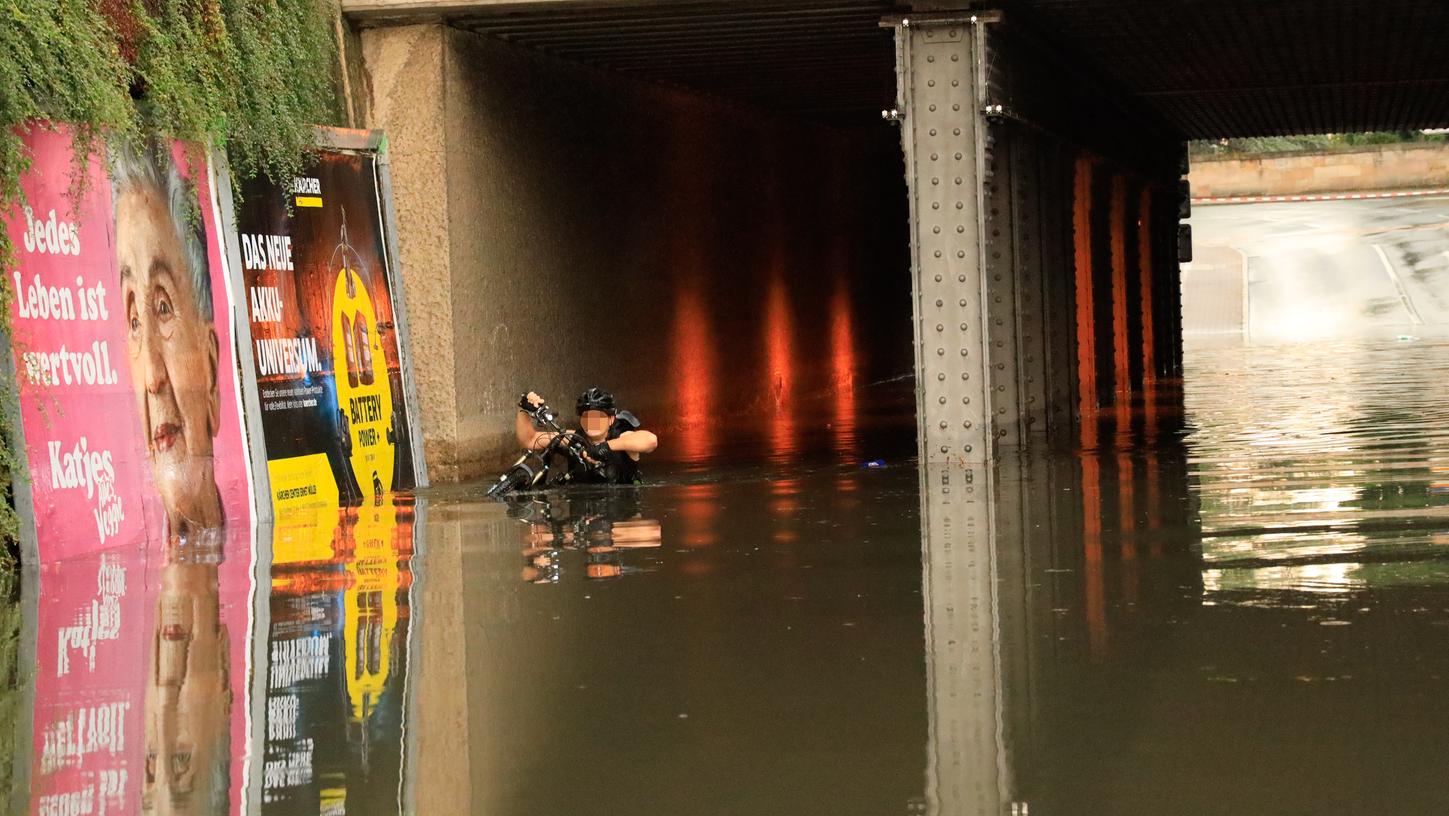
(597, 523)
(332, 655)
(1242, 615)
(174, 679)
(188, 699)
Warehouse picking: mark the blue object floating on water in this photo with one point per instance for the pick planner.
(873, 463)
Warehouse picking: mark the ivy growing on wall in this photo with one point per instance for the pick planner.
(249, 76)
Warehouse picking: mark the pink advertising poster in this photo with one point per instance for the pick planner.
(129, 400)
(123, 349)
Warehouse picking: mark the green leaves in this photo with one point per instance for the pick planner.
(250, 76)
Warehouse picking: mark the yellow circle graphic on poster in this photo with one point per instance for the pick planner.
(364, 398)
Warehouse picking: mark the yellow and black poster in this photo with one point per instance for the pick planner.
(324, 336)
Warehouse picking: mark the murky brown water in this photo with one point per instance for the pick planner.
(1233, 602)
(1244, 611)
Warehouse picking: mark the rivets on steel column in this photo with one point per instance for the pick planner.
(959, 205)
(963, 327)
(935, 180)
(955, 57)
(961, 253)
(940, 302)
(942, 400)
(968, 450)
(940, 327)
(940, 352)
(956, 131)
(930, 83)
(936, 230)
(958, 180)
(960, 279)
(931, 108)
(965, 375)
(938, 277)
(945, 449)
(934, 157)
(955, 82)
(963, 352)
(943, 424)
(960, 227)
(956, 107)
(958, 157)
(941, 377)
(936, 205)
(931, 58)
(962, 302)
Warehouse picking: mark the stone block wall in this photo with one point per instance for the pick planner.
(1371, 168)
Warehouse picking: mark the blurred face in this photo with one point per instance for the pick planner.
(173, 358)
(596, 425)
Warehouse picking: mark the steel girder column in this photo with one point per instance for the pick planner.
(1028, 239)
(1004, 320)
(1057, 169)
(940, 64)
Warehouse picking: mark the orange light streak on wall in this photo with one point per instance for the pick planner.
(779, 366)
(694, 366)
(1144, 265)
(1121, 372)
(1086, 317)
(842, 367)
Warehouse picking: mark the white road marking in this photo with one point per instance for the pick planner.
(1399, 285)
(1247, 315)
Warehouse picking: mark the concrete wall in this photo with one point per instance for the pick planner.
(1377, 167)
(563, 227)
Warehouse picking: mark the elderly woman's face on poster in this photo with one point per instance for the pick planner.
(173, 354)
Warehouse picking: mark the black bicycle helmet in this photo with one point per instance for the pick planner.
(595, 399)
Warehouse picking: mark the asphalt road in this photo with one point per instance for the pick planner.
(1267, 274)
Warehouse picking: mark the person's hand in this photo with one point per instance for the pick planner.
(600, 452)
(530, 401)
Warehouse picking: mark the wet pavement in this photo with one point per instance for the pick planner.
(1235, 601)
(1319, 270)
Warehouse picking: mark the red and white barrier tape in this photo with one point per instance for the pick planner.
(1318, 197)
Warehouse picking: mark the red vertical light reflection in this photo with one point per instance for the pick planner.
(1086, 317)
(842, 367)
(1092, 552)
(698, 507)
(694, 366)
(779, 366)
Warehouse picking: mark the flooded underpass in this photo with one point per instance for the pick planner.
(1233, 600)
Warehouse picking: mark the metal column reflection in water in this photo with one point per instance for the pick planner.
(984, 531)
(940, 63)
(965, 772)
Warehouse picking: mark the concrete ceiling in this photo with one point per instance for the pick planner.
(1207, 68)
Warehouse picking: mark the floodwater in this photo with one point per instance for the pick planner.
(1236, 603)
